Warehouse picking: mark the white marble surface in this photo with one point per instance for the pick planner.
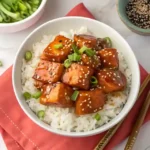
(104, 11)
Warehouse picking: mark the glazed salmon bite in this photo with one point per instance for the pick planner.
(48, 72)
(58, 50)
(90, 101)
(78, 76)
(109, 58)
(111, 80)
(57, 94)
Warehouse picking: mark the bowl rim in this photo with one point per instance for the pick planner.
(128, 23)
(75, 134)
(43, 2)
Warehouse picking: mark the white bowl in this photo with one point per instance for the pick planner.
(100, 30)
(25, 23)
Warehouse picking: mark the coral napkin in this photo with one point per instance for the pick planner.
(20, 133)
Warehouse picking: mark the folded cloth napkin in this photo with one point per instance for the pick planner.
(20, 133)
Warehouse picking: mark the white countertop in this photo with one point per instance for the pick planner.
(104, 11)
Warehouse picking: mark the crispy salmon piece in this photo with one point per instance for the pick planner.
(109, 58)
(93, 62)
(85, 40)
(48, 72)
(111, 80)
(51, 53)
(57, 94)
(78, 76)
(90, 101)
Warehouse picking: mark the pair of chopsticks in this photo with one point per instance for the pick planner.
(107, 137)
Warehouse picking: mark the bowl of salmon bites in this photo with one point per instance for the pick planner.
(76, 76)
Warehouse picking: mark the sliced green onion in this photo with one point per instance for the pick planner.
(28, 5)
(97, 117)
(67, 63)
(22, 6)
(90, 52)
(27, 95)
(34, 8)
(75, 48)
(14, 15)
(37, 94)
(6, 18)
(1, 64)
(94, 80)
(28, 55)
(41, 114)
(109, 42)
(82, 50)
(75, 95)
(6, 6)
(74, 57)
(24, 14)
(1, 18)
(87, 50)
(34, 2)
(58, 46)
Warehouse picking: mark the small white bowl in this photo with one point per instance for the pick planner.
(98, 29)
(25, 23)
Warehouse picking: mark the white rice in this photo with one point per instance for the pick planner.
(65, 118)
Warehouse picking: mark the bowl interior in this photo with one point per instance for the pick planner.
(96, 28)
(122, 13)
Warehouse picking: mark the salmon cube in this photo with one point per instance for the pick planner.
(57, 50)
(90, 101)
(111, 80)
(48, 72)
(109, 58)
(78, 76)
(57, 94)
(93, 62)
(85, 40)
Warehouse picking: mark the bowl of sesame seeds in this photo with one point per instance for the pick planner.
(135, 14)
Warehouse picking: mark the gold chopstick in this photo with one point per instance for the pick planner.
(138, 124)
(107, 137)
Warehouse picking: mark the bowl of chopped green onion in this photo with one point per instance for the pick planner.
(16, 15)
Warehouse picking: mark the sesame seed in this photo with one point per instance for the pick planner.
(95, 110)
(113, 55)
(82, 109)
(119, 84)
(104, 60)
(81, 104)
